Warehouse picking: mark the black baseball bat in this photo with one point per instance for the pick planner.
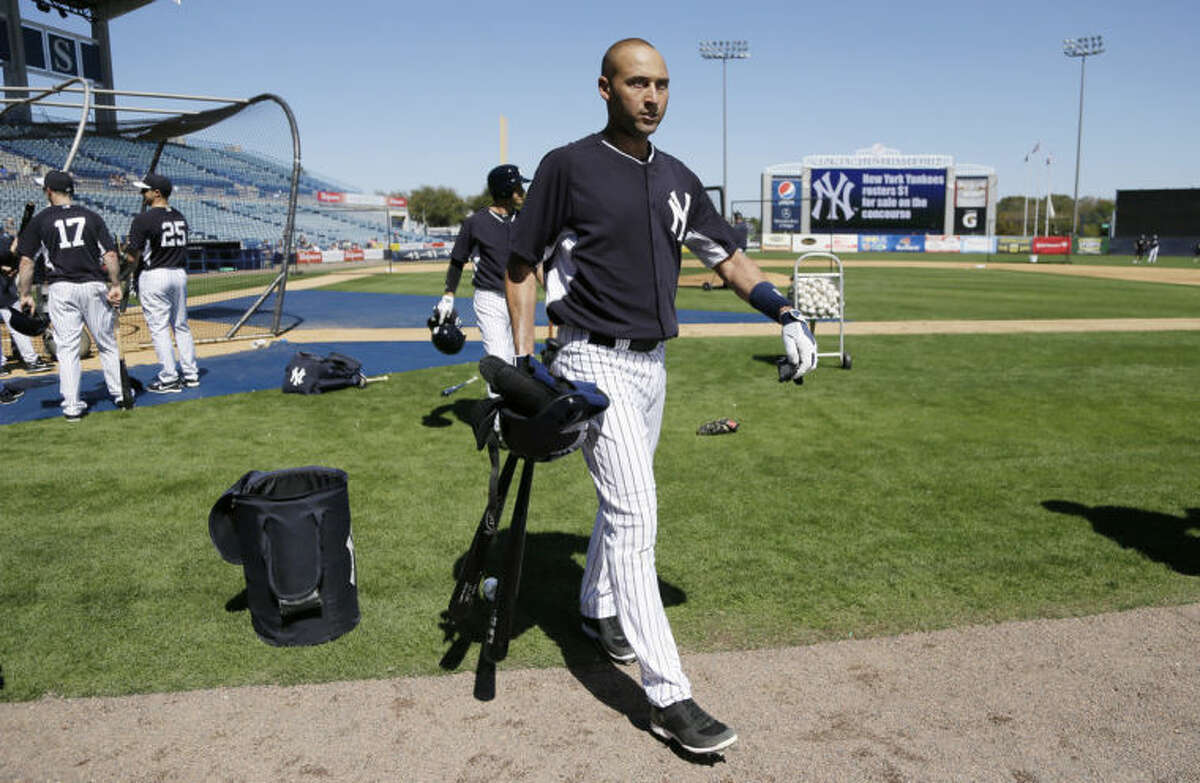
(467, 586)
(521, 392)
(500, 627)
(26, 216)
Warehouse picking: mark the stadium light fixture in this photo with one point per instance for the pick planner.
(724, 51)
(1083, 48)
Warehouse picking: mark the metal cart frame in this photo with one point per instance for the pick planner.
(837, 273)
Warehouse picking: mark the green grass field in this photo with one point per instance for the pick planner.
(946, 480)
(882, 294)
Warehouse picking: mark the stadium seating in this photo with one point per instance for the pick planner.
(226, 193)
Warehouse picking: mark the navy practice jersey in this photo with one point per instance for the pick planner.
(489, 236)
(610, 227)
(160, 236)
(74, 240)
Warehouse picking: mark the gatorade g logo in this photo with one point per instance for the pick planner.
(297, 378)
(679, 213)
(970, 219)
(786, 190)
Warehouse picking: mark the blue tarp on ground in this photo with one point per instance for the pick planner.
(252, 370)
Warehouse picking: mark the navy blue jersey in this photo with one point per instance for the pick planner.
(160, 236)
(610, 228)
(488, 236)
(74, 240)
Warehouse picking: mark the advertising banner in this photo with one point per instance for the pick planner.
(1090, 246)
(309, 257)
(971, 192)
(355, 254)
(878, 199)
(802, 243)
(942, 244)
(979, 244)
(777, 242)
(1013, 245)
(1052, 246)
(845, 243)
(872, 243)
(333, 256)
(906, 244)
(785, 204)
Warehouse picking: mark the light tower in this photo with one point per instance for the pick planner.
(724, 51)
(1082, 48)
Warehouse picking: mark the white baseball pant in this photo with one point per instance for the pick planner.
(491, 313)
(620, 577)
(22, 342)
(70, 306)
(163, 294)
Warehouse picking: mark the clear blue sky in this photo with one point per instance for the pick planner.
(393, 95)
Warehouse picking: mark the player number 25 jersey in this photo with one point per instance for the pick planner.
(160, 236)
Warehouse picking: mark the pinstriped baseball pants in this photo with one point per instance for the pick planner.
(491, 313)
(70, 306)
(620, 577)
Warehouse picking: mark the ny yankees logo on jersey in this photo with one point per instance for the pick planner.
(679, 214)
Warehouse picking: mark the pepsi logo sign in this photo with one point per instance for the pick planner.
(786, 189)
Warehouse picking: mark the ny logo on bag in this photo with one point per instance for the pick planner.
(297, 378)
(679, 213)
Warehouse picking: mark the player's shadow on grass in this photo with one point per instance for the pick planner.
(462, 409)
(548, 598)
(1171, 540)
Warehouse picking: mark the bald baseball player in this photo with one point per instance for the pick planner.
(612, 211)
(158, 240)
(487, 235)
(84, 286)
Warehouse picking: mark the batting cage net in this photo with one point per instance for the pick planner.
(236, 177)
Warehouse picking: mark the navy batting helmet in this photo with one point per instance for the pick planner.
(504, 180)
(29, 325)
(554, 412)
(447, 335)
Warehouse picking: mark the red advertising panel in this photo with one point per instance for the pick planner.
(355, 254)
(328, 197)
(1052, 246)
(309, 256)
(397, 201)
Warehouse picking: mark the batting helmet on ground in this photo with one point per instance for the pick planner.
(28, 325)
(540, 417)
(447, 335)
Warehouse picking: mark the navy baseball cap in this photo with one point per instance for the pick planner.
(503, 180)
(57, 180)
(154, 182)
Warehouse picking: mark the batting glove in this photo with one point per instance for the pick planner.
(799, 343)
(444, 307)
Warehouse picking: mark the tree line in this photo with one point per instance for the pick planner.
(442, 206)
(1095, 214)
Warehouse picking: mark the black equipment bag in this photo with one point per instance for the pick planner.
(290, 532)
(309, 373)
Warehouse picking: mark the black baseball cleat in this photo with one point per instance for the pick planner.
(9, 395)
(73, 416)
(694, 729)
(38, 366)
(608, 634)
(191, 383)
(165, 387)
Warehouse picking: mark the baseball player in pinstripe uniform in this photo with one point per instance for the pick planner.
(158, 240)
(84, 287)
(487, 236)
(609, 213)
